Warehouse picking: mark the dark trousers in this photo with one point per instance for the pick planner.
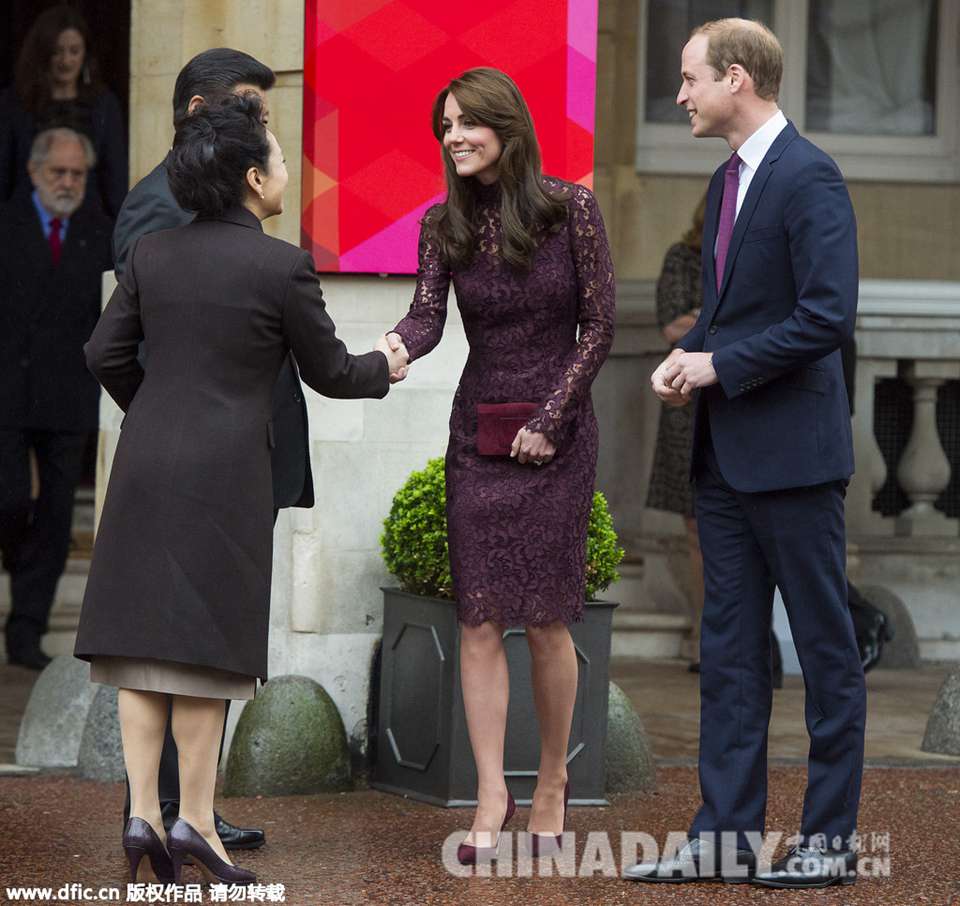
(35, 534)
(793, 539)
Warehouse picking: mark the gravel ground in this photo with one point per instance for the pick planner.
(370, 847)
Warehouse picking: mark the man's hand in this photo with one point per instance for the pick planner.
(660, 385)
(690, 371)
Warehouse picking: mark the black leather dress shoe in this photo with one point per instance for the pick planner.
(31, 658)
(231, 836)
(234, 837)
(697, 860)
(803, 867)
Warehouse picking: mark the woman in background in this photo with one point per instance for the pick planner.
(528, 257)
(57, 84)
(678, 306)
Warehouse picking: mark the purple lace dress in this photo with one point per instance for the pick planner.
(517, 533)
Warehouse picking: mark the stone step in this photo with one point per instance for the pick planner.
(648, 634)
(938, 650)
(628, 590)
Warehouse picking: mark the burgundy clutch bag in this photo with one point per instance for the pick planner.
(498, 424)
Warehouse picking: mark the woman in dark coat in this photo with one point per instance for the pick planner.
(177, 601)
(57, 84)
(528, 257)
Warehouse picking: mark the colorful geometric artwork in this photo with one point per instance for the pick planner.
(372, 69)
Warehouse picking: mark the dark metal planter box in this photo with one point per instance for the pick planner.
(422, 747)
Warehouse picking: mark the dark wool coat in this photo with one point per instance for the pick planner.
(182, 561)
(150, 207)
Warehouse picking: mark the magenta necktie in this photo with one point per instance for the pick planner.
(728, 214)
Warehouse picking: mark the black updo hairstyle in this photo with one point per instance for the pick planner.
(212, 151)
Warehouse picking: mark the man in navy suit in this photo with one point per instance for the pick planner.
(772, 457)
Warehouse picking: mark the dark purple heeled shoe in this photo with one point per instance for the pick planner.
(139, 840)
(470, 855)
(183, 841)
(549, 843)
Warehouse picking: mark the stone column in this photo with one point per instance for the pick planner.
(871, 470)
(924, 471)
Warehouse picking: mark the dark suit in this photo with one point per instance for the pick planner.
(148, 207)
(772, 455)
(48, 400)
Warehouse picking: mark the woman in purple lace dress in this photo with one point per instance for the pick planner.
(529, 260)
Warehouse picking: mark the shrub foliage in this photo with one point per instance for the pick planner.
(414, 539)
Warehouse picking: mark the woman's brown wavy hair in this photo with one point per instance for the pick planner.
(527, 206)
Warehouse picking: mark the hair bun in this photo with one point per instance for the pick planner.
(213, 149)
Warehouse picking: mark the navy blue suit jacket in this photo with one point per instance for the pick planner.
(779, 416)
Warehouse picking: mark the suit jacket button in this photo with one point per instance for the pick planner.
(712, 329)
(24, 362)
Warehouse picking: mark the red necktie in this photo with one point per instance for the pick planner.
(728, 214)
(55, 245)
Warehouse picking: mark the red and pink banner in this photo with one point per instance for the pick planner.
(372, 69)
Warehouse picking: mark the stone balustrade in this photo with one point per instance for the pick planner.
(907, 331)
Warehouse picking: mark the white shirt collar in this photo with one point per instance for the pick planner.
(755, 148)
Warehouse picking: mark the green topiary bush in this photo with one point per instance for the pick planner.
(603, 550)
(414, 539)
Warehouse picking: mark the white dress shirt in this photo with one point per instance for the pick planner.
(755, 149)
(752, 152)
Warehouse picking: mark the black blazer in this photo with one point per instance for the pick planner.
(47, 313)
(150, 206)
(101, 120)
(182, 562)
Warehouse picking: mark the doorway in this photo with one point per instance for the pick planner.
(109, 24)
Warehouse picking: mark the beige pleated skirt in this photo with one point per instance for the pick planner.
(152, 675)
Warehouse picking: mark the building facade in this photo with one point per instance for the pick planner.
(327, 609)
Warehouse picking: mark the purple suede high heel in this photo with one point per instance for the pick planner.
(546, 843)
(139, 840)
(183, 840)
(470, 855)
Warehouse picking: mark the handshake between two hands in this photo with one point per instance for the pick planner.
(528, 446)
(392, 346)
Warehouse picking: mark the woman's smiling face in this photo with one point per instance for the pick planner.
(475, 149)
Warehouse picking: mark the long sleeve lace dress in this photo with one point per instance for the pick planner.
(517, 533)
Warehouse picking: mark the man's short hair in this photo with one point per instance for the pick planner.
(40, 149)
(751, 45)
(214, 73)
